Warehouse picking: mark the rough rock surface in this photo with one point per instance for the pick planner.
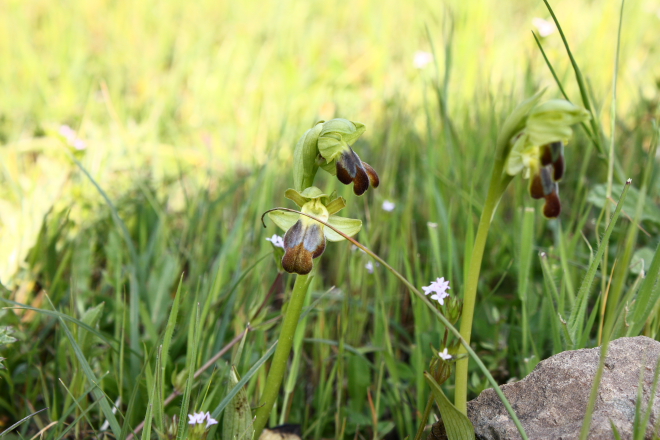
(551, 401)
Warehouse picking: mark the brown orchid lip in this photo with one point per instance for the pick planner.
(536, 187)
(552, 207)
(302, 243)
(351, 169)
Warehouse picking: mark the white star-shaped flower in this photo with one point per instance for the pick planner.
(277, 241)
(439, 289)
(388, 206)
(444, 354)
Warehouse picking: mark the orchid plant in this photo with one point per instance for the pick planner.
(531, 142)
(327, 145)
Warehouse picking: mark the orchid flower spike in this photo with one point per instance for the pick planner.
(305, 238)
(537, 149)
(328, 145)
(338, 158)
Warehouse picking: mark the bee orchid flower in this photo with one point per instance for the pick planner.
(305, 238)
(538, 149)
(338, 158)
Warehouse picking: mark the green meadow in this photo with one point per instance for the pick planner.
(141, 142)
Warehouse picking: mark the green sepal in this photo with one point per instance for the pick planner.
(514, 123)
(300, 198)
(284, 219)
(457, 424)
(304, 157)
(348, 226)
(336, 205)
(336, 137)
(551, 121)
(329, 167)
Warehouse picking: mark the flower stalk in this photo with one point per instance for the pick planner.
(281, 356)
(495, 191)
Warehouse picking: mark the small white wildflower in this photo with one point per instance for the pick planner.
(79, 144)
(439, 289)
(68, 132)
(196, 418)
(72, 138)
(543, 26)
(355, 248)
(444, 354)
(210, 421)
(388, 206)
(432, 225)
(422, 58)
(277, 241)
(201, 417)
(370, 267)
(440, 297)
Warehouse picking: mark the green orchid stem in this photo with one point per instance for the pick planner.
(281, 357)
(495, 191)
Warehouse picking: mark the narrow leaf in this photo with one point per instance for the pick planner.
(458, 426)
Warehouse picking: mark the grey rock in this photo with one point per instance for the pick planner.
(551, 401)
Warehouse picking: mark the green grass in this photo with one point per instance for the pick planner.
(190, 113)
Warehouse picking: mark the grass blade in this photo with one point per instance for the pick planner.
(20, 422)
(91, 377)
(576, 320)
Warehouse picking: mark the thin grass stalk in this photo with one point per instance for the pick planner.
(607, 333)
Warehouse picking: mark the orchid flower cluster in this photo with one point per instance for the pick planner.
(538, 133)
(327, 145)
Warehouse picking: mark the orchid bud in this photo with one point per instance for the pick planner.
(304, 158)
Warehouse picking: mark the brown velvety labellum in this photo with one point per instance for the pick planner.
(350, 169)
(546, 155)
(302, 244)
(346, 168)
(373, 176)
(558, 166)
(297, 260)
(361, 182)
(536, 187)
(552, 207)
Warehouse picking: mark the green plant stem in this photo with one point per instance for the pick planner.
(425, 417)
(495, 191)
(281, 356)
